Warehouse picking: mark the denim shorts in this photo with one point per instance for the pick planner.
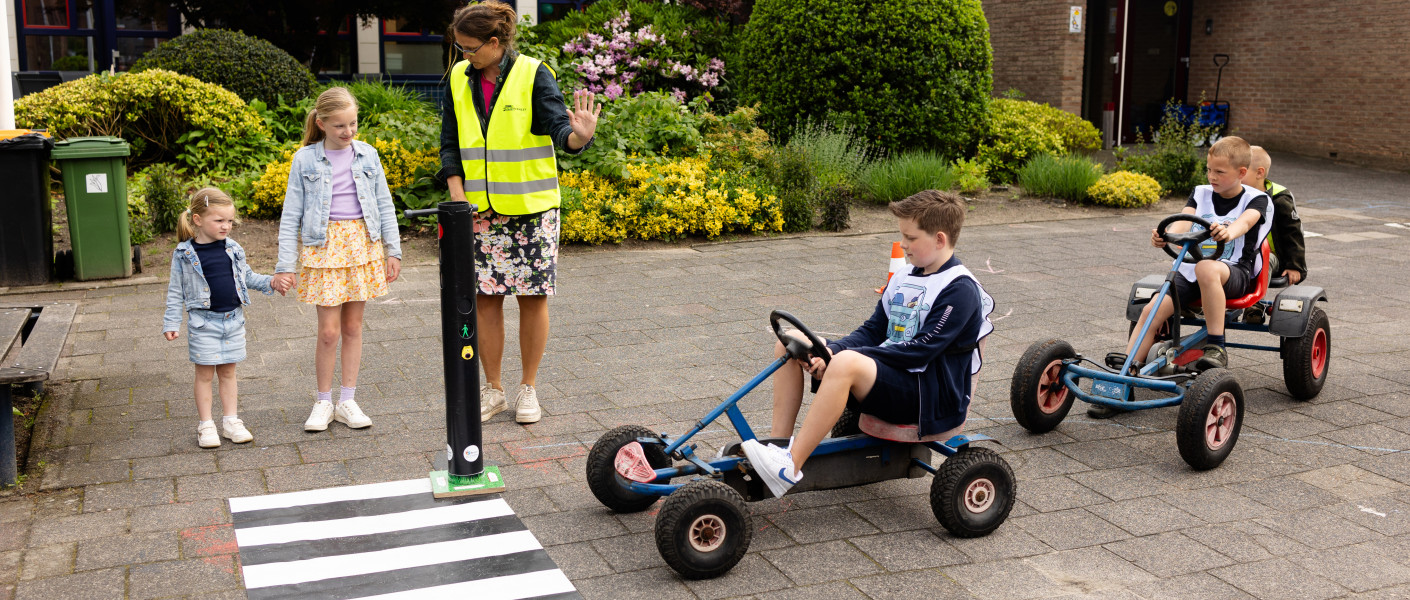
(215, 338)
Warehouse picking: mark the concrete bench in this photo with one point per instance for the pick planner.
(32, 336)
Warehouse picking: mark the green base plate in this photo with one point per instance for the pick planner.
(445, 485)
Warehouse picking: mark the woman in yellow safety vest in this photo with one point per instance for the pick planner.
(504, 116)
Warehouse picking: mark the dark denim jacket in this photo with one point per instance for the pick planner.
(550, 115)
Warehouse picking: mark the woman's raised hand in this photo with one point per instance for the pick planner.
(584, 115)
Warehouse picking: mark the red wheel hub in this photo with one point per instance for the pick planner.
(979, 496)
(1319, 353)
(1219, 423)
(1052, 394)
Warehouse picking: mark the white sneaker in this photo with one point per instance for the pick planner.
(348, 413)
(321, 416)
(526, 405)
(773, 464)
(491, 402)
(206, 436)
(235, 431)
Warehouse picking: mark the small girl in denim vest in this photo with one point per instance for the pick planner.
(210, 280)
(340, 230)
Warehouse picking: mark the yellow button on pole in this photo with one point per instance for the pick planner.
(467, 352)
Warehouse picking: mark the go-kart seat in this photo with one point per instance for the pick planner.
(878, 428)
(1258, 290)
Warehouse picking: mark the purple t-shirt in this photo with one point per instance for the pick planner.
(345, 206)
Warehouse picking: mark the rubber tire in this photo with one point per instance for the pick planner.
(1297, 358)
(1189, 428)
(1023, 391)
(847, 424)
(947, 492)
(602, 475)
(682, 508)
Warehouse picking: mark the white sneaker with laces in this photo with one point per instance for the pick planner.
(526, 405)
(773, 464)
(349, 413)
(206, 436)
(491, 402)
(321, 416)
(235, 431)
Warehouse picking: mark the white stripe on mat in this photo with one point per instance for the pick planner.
(509, 587)
(337, 494)
(348, 565)
(338, 528)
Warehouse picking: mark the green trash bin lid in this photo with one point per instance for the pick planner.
(90, 147)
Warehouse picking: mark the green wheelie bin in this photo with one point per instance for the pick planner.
(95, 193)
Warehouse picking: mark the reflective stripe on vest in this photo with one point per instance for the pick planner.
(1273, 189)
(514, 171)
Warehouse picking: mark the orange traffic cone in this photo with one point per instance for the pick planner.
(898, 264)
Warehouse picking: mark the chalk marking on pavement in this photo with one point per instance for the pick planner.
(996, 320)
(989, 268)
(1309, 234)
(1370, 510)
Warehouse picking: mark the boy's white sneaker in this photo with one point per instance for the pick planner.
(234, 430)
(773, 464)
(526, 405)
(320, 417)
(491, 402)
(349, 413)
(206, 437)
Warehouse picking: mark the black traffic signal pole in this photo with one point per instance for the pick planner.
(465, 462)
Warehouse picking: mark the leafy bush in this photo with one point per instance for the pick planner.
(835, 208)
(793, 178)
(667, 199)
(251, 67)
(153, 111)
(837, 154)
(896, 178)
(909, 75)
(1020, 130)
(1173, 159)
(637, 46)
(1124, 189)
(139, 217)
(1066, 177)
(634, 130)
(409, 177)
(970, 176)
(162, 190)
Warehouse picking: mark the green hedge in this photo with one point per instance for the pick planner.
(251, 67)
(910, 75)
(1020, 130)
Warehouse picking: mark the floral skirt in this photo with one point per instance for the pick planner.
(350, 267)
(516, 255)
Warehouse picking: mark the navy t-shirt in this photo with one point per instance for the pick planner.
(220, 275)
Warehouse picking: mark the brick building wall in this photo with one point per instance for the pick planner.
(1310, 76)
(1033, 51)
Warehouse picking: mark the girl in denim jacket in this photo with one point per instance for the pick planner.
(340, 230)
(211, 281)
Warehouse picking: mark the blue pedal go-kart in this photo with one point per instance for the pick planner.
(704, 527)
(1050, 374)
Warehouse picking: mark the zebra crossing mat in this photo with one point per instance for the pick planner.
(390, 540)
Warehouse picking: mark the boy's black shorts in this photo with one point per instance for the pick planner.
(894, 396)
(1240, 283)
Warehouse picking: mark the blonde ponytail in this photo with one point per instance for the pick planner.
(185, 227)
(332, 100)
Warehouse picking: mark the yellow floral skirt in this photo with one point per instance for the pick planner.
(350, 267)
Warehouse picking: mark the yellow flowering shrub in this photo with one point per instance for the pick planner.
(401, 166)
(665, 199)
(1125, 189)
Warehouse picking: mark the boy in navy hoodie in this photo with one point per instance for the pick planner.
(911, 362)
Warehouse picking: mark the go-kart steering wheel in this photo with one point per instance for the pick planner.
(796, 348)
(1190, 238)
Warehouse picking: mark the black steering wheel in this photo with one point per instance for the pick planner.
(796, 348)
(1190, 239)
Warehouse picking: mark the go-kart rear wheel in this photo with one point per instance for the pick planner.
(609, 487)
(704, 529)
(1037, 395)
(1210, 419)
(973, 492)
(849, 423)
(1306, 358)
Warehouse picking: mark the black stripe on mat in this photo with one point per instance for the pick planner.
(347, 509)
(307, 549)
(414, 578)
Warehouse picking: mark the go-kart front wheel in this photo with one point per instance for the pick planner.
(973, 492)
(1037, 395)
(704, 529)
(1306, 358)
(1210, 419)
(609, 487)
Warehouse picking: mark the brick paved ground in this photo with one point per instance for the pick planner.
(1313, 502)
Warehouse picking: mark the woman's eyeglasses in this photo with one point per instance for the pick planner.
(465, 51)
